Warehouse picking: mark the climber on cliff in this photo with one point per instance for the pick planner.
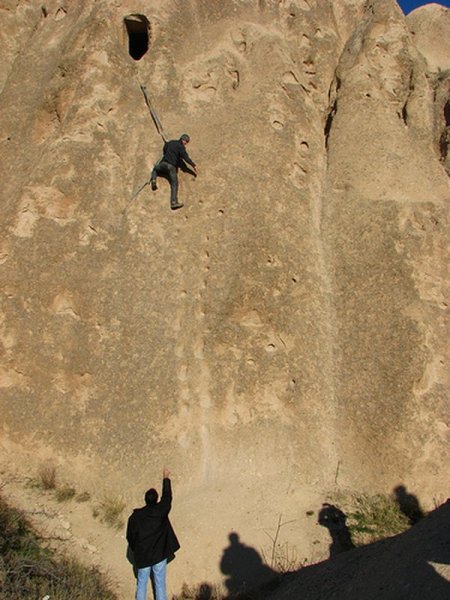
(152, 540)
(174, 157)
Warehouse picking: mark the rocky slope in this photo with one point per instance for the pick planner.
(410, 566)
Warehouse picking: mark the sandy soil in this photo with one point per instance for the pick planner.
(412, 565)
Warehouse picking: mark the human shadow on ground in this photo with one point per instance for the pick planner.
(243, 567)
(412, 565)
(408, 504)
(335, 520)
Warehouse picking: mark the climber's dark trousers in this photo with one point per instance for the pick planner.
(168, 171)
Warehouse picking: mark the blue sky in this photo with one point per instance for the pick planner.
(409, 5)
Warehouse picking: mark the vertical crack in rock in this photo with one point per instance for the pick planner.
(442, 117)
(329, 122)
(334, 89)
(444, 139)
(404, 112)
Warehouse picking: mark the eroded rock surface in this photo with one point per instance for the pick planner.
(285, 332)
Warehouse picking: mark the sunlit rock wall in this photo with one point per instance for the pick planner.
(285, 330)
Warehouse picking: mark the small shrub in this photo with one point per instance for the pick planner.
(203, 591)
(28, 571)
(281, 557)
(47, 477)
(65, 493)
(110, 512)
(83, 497)
(374, 518)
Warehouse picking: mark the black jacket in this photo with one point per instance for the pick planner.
(175, 152)
(149, 532)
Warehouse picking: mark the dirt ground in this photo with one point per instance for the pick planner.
(238, 527)
(412, 565)
(70, 528)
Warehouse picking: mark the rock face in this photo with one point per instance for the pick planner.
(430, 25)
(285, 332)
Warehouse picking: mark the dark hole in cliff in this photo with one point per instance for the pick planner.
(332, 111)
(138, 30)
(405, 114)
(329, 122)
(447, 113)
(444, 141)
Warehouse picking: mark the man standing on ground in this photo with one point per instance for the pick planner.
(174, 157)
(152, 540)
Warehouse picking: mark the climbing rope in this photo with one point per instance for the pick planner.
(159, 129)
(154, 116)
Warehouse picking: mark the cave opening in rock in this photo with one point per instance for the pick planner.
(447, 113)
(444, 141)
(138, 31)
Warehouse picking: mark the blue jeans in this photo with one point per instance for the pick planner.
(158, 575)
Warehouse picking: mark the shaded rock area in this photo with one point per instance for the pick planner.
(285, 333)
(429, 26)
(410, 566)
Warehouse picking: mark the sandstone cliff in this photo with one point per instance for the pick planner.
(285, 332)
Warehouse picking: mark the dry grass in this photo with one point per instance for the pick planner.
(204, 591)
(47, 477)
(110, 512)
(65, 493)
(280, 556)
(83, 497)
(28, 571)
(374, 518)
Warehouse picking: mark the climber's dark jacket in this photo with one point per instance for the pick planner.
(175, 152)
